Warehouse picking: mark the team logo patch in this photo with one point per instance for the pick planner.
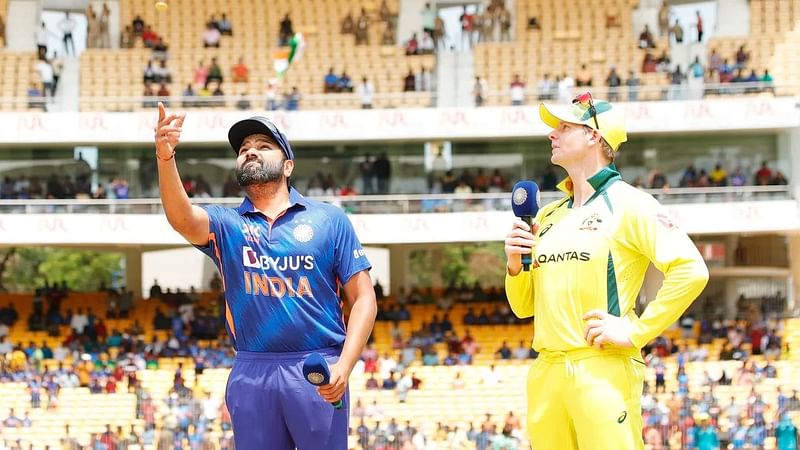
(316, 378)
(591, 223)
(665, 221)
(520, 195)
(303, 233)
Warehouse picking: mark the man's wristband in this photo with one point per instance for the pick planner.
(165, 159)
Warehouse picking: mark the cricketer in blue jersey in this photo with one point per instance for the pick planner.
(284, 259)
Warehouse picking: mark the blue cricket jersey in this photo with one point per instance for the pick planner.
(282, 279)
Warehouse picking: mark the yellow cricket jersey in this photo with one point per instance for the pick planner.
(596, 256)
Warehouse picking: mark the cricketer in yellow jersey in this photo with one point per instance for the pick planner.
(590, 252)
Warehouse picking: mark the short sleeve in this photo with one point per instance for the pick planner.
(349, 256)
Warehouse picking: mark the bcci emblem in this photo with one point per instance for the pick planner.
(520, 195)
(316, 378)
(303, 233)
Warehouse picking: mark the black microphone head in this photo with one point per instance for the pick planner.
(315, 370)
(525, 198)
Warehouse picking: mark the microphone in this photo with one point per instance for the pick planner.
(316, 372)
(525, 201)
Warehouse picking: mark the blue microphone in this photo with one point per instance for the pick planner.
(525, 201)
(316, 371)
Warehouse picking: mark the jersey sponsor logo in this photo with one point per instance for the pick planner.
(562, 257)
(591, 223)
(545, 229)
(257, 283)
(303, 233)
(358, 253)
(280, 263)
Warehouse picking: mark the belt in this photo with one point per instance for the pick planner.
(569, 357)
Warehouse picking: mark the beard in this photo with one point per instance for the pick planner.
(254, 172)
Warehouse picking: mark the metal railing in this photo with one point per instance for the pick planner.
(352, 100)
(393, 204)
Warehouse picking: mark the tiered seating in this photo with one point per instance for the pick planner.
(17, 74)
(255, 26)
(571, 34)
(772, 43)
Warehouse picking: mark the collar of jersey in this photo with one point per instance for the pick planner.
(294, 199)
(600, 181)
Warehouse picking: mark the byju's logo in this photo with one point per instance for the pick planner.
(250, 258)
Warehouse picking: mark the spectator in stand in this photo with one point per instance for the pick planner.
(148, 96)
(426, 44)
(211, 36)
(286, 30)
(387, 38)
(224, 26)
(479, 91)
(347, 23)
(365, 93)
(163, 74)
(187, 100)
(699, 26)
(633, 86)
(504, 352)
(36, 98)
(163, 94)
(292, 99)
(126, 37)
(272, 93)
(646, 38)
(244, 103)
(718, 176)
(67, 26)
(517, 91)
(412, 46)
(331, 82)
(584, 77)
(676, 31)
(345, 83)
(409, 82)
(613, 81)
(201, 74)
(240, 72)
(138, 25)
(362, 28)
(214, 73)
(763, 175)
(149, 37)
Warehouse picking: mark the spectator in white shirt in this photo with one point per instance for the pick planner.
(41, 35)
(5, 346)
(517, 91)
(3, 330)
(211, 36)
(546, 88)
(79, 322)
(366, 92)
(522, 352)
(491, 377)
(67, 26)
(426, 44)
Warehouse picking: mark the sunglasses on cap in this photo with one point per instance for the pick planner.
(585, 100)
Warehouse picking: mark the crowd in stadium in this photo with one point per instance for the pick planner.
(679, 418)
(375, 176)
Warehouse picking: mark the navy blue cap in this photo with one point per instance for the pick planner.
(257, 125)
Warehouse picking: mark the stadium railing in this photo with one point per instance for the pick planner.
(396, 203)
(384, 100)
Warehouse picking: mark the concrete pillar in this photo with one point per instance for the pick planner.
(793, 290)
(133, 271)
(438, 266)
(398, 267)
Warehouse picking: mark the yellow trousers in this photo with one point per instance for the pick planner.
(587, 399)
